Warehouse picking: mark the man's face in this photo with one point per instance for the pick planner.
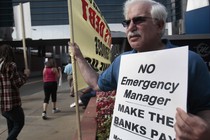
(142, 33)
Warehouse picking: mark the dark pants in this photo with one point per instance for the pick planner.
(15, 122)
(50, 90)
(85, 98)
(71, 84)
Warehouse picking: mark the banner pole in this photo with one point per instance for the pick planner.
(70, 6)
(23, 36)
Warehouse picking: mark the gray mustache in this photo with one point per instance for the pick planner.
(130, 34)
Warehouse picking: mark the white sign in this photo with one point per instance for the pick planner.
(196, 4)
(151, 86)
(18, 22)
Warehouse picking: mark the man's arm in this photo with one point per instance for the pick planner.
(192, 127)
(90, 76)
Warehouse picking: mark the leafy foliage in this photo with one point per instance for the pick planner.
(105, 106)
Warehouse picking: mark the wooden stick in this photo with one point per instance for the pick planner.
(23, 36)
(70, 6)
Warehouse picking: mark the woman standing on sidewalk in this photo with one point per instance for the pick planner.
(50, 77)
(11, 80)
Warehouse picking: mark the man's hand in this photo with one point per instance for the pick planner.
(88, 73)
(75, 50)
(27, 72)
(191, 127)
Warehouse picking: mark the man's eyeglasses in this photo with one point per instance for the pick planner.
(136, 20)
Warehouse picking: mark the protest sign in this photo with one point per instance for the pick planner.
(91, 32)
(151, 86)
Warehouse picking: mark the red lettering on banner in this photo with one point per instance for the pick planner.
(98, 19)
(84, 6)
(107, 37)
(96, 22)
(102, 26)
(92, 15)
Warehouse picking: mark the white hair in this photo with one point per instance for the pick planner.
(158, 11)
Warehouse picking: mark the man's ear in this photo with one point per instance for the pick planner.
(160, 24)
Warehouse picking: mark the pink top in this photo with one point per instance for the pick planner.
(49, 75)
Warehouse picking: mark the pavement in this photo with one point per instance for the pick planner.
(59, 126)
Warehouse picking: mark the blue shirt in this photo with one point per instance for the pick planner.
(68, 69)
(198, 80)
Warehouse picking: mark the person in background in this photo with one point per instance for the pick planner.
(87, 93)
(50, 78)
(11, 80)
(68, 71)
(84, 99)
(145, 22)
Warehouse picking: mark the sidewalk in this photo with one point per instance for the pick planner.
(59, 126)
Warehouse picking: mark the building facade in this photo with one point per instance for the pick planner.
(50, 28)
(55, 13)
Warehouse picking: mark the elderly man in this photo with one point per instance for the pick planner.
(145, 22)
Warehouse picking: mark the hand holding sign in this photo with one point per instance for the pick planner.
(189, 126)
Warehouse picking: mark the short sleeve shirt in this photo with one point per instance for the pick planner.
(68, 69)
(198, 80)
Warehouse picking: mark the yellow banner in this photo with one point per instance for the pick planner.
(92, 34)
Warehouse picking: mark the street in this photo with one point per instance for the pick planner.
(61, 125)
(32, 86)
